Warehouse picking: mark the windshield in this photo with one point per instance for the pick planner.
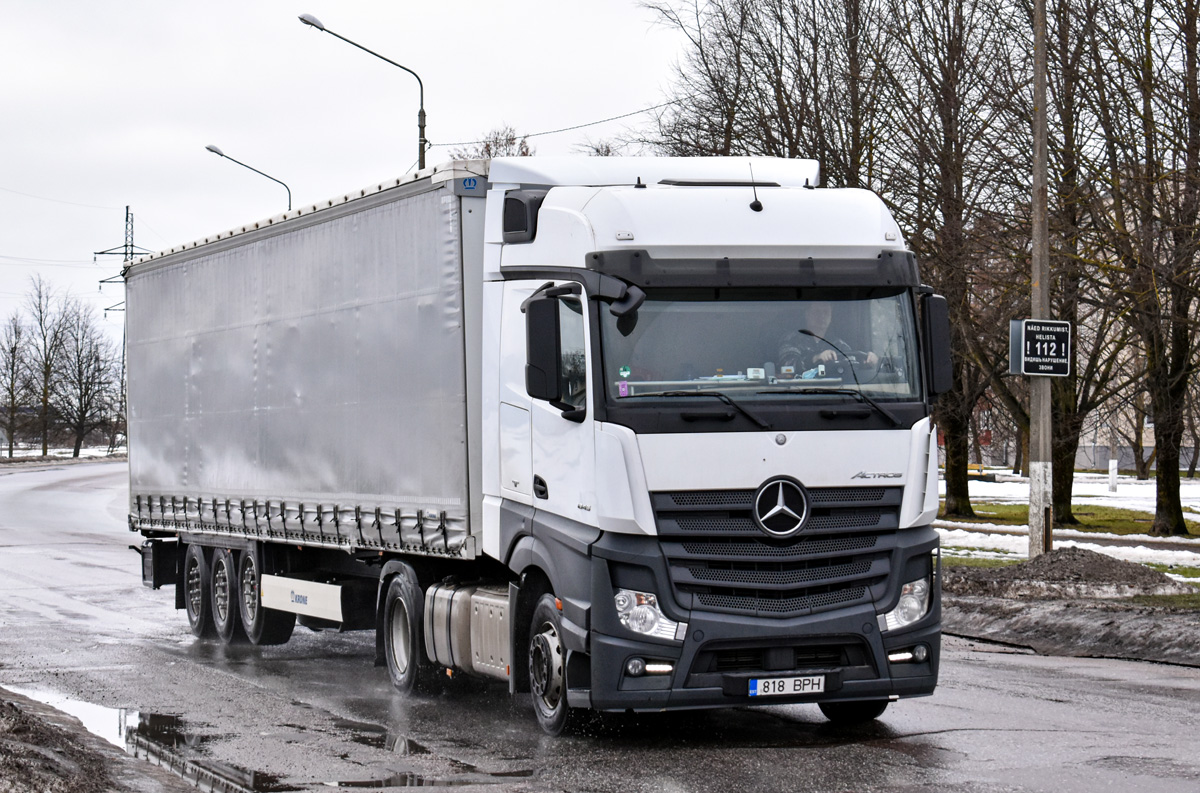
(762, 343)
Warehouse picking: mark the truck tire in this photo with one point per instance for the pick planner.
(224, 597)
(850, 713)
(548, 670)
(263, 626)
(403, 633)
(197, 592)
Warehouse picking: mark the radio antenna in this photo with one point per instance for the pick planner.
(756, 205)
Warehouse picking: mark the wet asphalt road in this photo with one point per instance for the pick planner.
(75, 622)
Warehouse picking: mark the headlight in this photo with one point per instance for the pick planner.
(639, 612)
(914, 604)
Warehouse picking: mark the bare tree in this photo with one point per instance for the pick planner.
(85, 388)
(1146, 98)
(47, 333)
(600, 148)
(956, 91)
(502, 141)
(13, 344)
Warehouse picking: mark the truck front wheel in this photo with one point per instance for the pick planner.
(263, 626)
(548, 669)
(403, 609)
(197, 592)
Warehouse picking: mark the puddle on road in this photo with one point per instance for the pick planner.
(164, 740)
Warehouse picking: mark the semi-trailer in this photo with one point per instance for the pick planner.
(624, 433)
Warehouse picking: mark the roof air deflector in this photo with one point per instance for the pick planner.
(706, 183)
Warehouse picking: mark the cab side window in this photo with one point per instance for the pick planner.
(574, 360)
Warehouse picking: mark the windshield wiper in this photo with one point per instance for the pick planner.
(716, 394)
(859, 395)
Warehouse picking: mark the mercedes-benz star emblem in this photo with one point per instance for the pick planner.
(781, 507)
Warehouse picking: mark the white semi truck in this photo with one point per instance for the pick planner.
(626, 433)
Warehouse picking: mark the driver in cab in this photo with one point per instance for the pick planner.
(810, 349)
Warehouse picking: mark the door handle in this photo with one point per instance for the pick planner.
(539, 488)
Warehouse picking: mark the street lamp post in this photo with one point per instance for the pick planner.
(313, 22)
(215, 150)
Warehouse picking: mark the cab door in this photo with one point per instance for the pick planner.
(560, 382)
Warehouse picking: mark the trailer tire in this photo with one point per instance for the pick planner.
(403, 633)
(263, 626)
(850, 713)
(548, 670)
(197, 588)
(224, 597)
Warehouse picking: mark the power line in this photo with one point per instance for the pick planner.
(577, 126)
(54, 200)
(30, 260)
(17, 261)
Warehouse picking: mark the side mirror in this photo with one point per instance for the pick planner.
(543, 354)
(935, 321)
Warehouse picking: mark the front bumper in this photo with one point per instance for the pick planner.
(722, 652)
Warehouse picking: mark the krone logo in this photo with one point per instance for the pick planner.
(781, 507)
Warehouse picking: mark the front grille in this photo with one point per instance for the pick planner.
(752, 574)
(719, 558)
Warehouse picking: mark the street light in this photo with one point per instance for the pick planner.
(313, 22)
(220, 153)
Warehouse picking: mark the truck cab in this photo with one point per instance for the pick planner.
(708, 430)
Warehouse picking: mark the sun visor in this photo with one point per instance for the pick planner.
(889, 268)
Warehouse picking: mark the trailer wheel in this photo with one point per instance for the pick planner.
(224, 597)
(403, 633)
(548, 670)
(263, 626)
(851, 713)
(197, 592)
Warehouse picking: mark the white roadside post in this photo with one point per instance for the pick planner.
(1114, 456)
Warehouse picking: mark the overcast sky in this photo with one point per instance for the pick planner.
(108, 103)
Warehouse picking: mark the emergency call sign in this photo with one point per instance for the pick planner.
(1039, 347)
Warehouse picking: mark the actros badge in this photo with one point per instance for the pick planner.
(781, 507)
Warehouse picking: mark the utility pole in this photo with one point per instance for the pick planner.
(1041, 480)
(126, 252)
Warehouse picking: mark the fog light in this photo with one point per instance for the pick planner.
(639, 612)
(635, 667)
(918, 654)
(913, 605)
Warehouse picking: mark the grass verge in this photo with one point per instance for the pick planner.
(971, 561)
(1184, 602)
(1110, 520)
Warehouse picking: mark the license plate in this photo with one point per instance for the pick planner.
(779, 686)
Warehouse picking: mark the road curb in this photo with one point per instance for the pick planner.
(1078, 628)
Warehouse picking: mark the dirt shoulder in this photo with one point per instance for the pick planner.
(1072, 602)
(43, 750)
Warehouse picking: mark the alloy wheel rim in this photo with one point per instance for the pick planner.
(545, 667)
